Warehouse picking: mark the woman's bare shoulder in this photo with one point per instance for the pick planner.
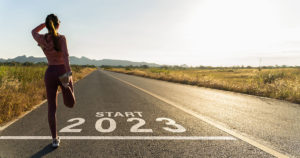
(61, 36)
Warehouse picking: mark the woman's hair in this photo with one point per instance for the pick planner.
(51, 23)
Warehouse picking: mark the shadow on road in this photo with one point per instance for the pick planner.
(47, 149)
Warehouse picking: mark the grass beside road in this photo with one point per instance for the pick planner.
(279, 83)
(22, 87)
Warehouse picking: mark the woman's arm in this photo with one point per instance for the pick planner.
(64, 49)
(35, 33)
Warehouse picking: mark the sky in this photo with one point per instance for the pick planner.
(172, 32)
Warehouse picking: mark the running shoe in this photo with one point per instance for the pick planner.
(55, 142)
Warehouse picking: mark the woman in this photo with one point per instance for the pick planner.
(58, 72)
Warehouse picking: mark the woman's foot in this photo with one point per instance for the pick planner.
(55, 142)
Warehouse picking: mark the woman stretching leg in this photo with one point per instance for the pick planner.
(54, 47)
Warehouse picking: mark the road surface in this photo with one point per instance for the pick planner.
(119, 115)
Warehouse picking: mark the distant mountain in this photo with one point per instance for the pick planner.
(81, 61)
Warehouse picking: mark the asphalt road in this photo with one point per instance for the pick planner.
(118, 115)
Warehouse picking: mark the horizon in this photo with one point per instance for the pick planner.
(171, 32)
(180, 65)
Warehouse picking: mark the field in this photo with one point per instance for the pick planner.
(22, 87)
(279, 83)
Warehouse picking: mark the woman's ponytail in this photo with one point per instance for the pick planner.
(51, 23)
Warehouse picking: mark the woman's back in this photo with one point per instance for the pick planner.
(46, 42)
(53, 56)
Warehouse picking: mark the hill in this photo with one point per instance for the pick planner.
(81, 61)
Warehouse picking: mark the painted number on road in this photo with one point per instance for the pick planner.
(178, 128)
(69, 128)
(170, 125)
(135, 128)
(112, 125)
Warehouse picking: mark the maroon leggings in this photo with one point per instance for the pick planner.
(52, 82)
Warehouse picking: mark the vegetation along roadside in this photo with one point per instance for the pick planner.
(22, 86)
(273, 82)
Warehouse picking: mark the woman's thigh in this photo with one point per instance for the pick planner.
(51, 83)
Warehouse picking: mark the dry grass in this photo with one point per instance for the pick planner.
(22, 87)
(279, 83)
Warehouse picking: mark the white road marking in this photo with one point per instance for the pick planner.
(112, 125)
(69, 127)
(209, 121)
(120, 137)
(136, 128)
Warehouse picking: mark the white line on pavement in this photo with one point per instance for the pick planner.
(120, 137)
